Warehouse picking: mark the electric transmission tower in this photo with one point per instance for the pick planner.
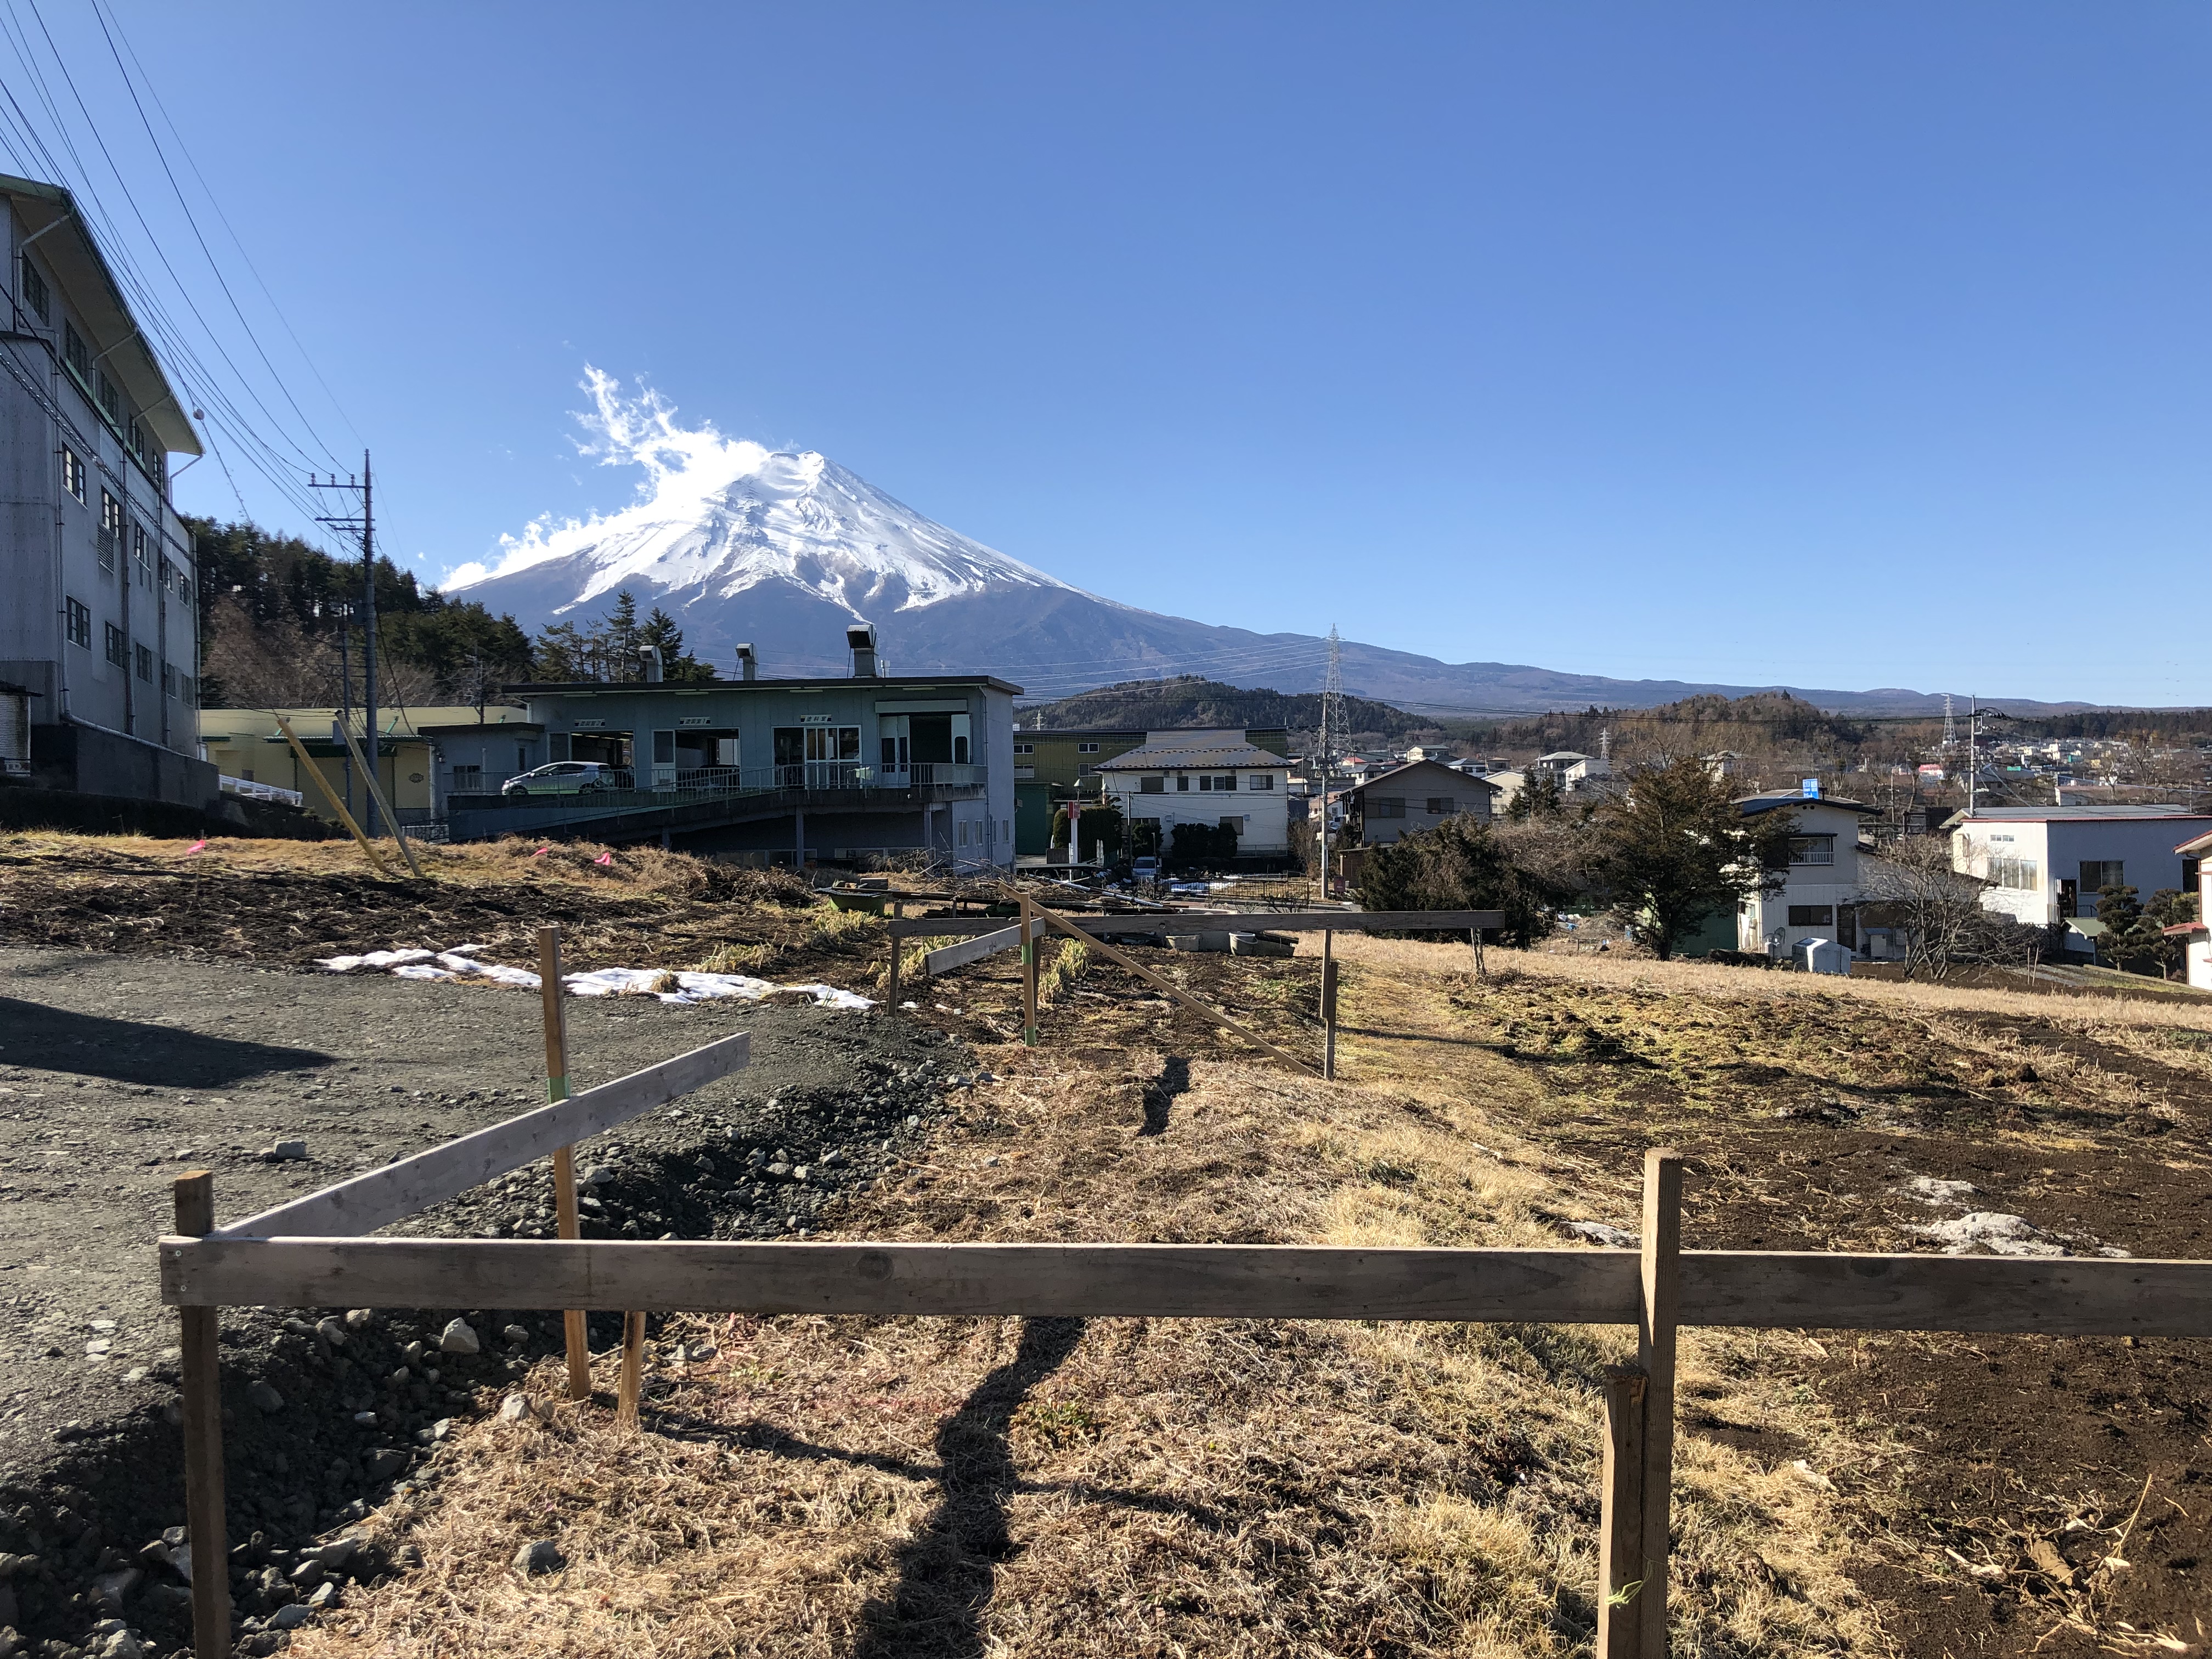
(1332, 733)
(1950, 725)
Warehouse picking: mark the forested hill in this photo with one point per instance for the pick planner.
(1188, 701)
(272, 608)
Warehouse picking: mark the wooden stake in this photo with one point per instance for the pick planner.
(1621, 1523)
(1328, 1005)
(376, 794)
(551, 996)
(1052, 919)
(1474, 937)
(1662, 1304)
(1029, 978)
(202, 1387)
(331, 798)
(891, 991)
(632, 1369)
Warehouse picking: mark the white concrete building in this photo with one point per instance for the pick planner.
(1212, 778)
(1820, 891)
(97, 579)
(2048, 862)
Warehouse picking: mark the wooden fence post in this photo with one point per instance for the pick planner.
(1621, 1523)
(1328, 1005)
(202, 1380)
(1029, 978)
(632, 1369)
(1662, 1304)
(891, 992)
(564, 1158)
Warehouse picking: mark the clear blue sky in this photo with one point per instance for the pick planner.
(1841, 344)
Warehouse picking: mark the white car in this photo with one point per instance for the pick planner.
(566, 778)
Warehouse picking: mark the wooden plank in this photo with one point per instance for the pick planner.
(1660, 1280)
(1177, 993)
(376, 793)
(365, 1202)
(949, 956)
(1620, 1517)
(1169, 1281)
(330, 798)
(2069, 1296)
(2061, 1296)
(201, 1378)
(977, 926)
(552, 992)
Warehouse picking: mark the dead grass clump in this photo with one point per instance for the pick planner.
(1058, 977)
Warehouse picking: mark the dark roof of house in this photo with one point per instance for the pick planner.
(2068, 814)
(1451, 772)
(1191, 751)
(1751, 804)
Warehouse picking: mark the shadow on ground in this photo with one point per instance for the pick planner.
(944, 1575)
(132, 1051)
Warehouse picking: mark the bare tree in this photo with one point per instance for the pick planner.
(1912, 886)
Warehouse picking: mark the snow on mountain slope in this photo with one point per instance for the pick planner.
(723, 516)
(783, 548)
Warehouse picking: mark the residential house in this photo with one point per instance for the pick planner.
(1819, 894)
(1053, 767)
(1211, 777)
(2047, 863)
(781, 770)
(1419, 796)
(97, 596)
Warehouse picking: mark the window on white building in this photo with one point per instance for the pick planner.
(1812, 916)
(1261, 781)
(2097, 874)
(1812, 850)
(1152, 786)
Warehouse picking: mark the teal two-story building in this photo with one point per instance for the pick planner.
(781, 770)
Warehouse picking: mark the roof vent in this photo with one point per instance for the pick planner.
(748, 667)
(861, 640)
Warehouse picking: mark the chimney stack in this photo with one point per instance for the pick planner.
(860, 640)
(651, 657)
(747, 667)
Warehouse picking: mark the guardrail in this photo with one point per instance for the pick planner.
(248, 788)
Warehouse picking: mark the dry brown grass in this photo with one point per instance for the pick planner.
(1710, 982)
(833, 1487)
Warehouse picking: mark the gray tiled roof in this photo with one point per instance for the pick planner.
(1207, 750)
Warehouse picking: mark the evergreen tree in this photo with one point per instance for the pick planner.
(1674, 847)
(1462, 864)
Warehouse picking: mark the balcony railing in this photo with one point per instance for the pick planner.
(620, 787)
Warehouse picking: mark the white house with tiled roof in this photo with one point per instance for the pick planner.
(1211, 777)
(1819, 894)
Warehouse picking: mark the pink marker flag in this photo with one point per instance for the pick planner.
(605, 858)
(196, 846)
(541, 851)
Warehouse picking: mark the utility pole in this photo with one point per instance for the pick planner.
(1332, 718)
(365, 525)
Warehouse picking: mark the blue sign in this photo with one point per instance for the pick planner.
(1810, 788)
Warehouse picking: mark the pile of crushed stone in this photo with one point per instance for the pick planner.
(664, 984)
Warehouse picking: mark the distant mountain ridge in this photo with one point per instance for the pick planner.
(782, 548)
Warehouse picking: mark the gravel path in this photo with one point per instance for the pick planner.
(118, 1073)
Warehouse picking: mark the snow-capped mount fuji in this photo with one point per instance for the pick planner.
(783, 548)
